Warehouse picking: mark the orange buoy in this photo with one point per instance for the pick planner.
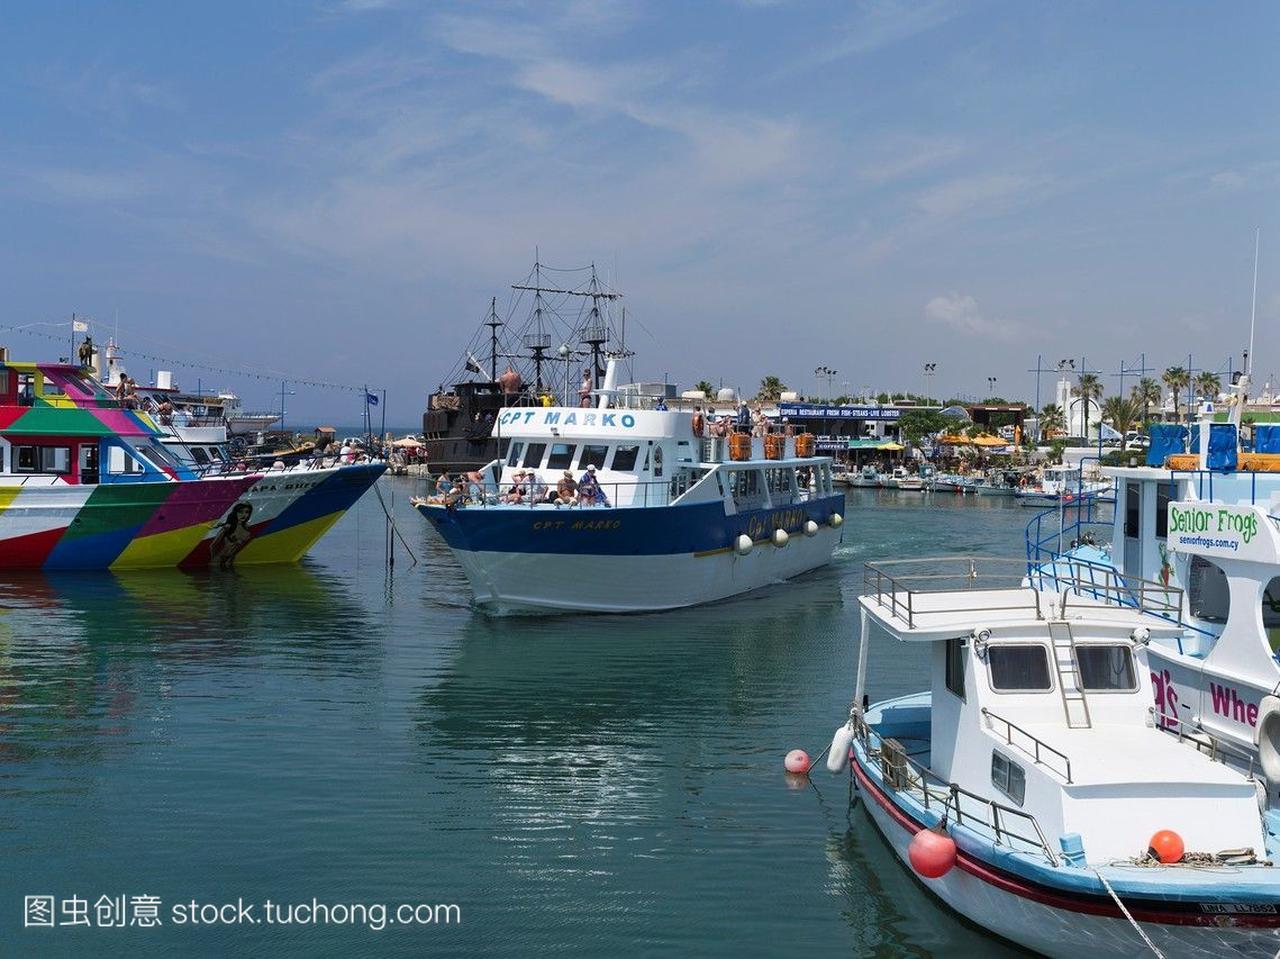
(1166, 846)
(932, 853)
(797, 761)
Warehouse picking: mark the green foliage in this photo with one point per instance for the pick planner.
(1176, 379)
(1055, 451)
(771, 388)
(1146, 394)
(918, 424)
(705, 388)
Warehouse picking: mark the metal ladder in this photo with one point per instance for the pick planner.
(1074, 703)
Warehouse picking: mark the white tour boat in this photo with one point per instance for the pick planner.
(672, 516)
(1030, 787)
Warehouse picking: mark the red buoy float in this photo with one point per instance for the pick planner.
(932, 853)
(1166, 846)
(797, 761)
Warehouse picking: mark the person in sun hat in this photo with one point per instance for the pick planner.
(566, 489)
(588, 487)
(516, 494)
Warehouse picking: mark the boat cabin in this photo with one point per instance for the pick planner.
(60, 425)
(647, 457)
(1042, 702)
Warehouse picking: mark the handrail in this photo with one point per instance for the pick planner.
(895, 590)
(1039, 744)
(1197, 735)
(951, 798)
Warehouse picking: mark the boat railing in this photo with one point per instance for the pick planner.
(899, 584)
(1217, 749)
(1003, 823)
(1039, 748)
(1098, 581)
(481, 495)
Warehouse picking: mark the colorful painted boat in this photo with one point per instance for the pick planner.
(87, 484)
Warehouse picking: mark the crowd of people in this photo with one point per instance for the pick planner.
(527, 488)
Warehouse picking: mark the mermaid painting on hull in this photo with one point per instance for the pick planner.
(233, 536)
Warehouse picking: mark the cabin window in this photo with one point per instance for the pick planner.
(1270, 605)
(533, 454)
(200, 456)
(43, 459)
(53, 389)
(657, 461)
(593, 456)
(561, 456)
(624, 458)
(1, 459)
(1106, 669)
(4, 381)
(744, 484)
(1018, 668)
(158, 457)
(1008, 777)
(513, 458)
(1132, 509)
(955, 665)
(120, 462)
(1162, 511)
(26, 389)
(1207, 593)
(779, 480)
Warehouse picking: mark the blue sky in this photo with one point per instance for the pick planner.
(335, 189)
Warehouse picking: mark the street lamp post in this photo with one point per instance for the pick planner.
(929, 370)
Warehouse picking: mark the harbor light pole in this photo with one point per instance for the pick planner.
(929, 370)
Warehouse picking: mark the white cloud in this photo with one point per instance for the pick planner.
(960, 312)
(1228, 180)
(966, 193)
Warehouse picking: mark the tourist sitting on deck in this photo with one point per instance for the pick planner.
(719, 425)
(517, 492)
(759, 424)
(566, 489)
(661, 405)
(744, 418)
(537, 490)
(589, 491)
(443, 483)
(457, 495)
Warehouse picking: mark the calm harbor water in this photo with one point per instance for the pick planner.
(346, 733)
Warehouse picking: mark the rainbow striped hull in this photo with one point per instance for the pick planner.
(272, 517)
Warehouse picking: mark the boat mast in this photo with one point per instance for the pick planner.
(493, 323)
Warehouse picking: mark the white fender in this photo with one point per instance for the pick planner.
(743, 544)
(780, 537)
(810, 528)
(836, 520)
(838, 754)
(1266, 735)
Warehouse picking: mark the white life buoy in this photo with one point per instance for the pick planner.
(838, 754)
(810, 528)
(780, 538)
(1266, 735)
(743, 544)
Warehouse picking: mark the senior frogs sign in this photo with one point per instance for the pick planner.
(1211, 529)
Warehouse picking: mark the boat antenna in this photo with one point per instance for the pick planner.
(1242, 385)
(493, 323)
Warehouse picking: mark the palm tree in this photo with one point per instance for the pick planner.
(771, 388)
(1208, 385)
(705, 388)
(1146, 393)
(1088, 389)
(1121, 412)
(1176, 378)
(1051, 420)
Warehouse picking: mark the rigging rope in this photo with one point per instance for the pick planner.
(1133, 922)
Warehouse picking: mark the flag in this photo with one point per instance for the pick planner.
(79, 326)
(474, 364)
(371, 398)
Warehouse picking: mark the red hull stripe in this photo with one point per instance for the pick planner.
(1058, 899)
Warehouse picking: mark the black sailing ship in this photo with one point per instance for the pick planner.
(565, 325)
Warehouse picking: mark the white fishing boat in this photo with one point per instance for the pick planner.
(1062, 484)
(1029, 787)
(866, 478)
(628, 506)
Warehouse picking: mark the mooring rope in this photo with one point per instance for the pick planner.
(394, 527)
(1133, 922)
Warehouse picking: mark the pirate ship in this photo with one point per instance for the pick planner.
(551, 325)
